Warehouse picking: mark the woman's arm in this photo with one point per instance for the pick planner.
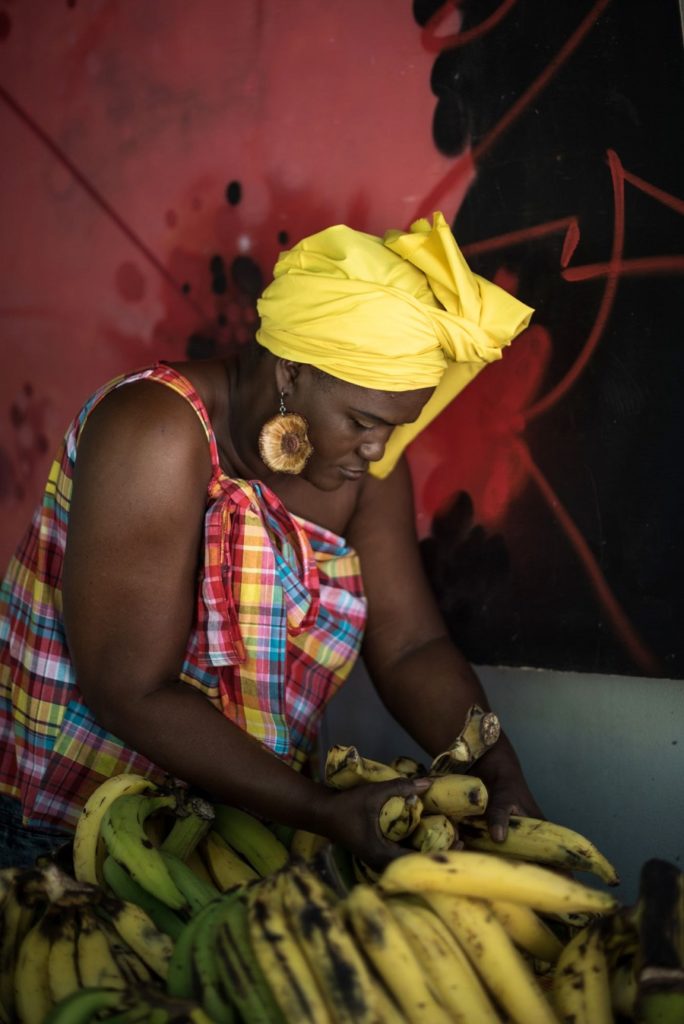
(421, 677)
(130, 586)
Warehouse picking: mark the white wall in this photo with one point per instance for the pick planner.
(603, 754)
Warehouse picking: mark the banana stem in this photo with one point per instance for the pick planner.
(192, 823)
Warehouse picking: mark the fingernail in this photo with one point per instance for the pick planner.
(422, 784)
(498, 834)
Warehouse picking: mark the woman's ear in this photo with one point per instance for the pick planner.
(286, 375)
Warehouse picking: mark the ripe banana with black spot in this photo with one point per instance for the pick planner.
(409, 767)
(471, 873)
(502, 968)
(305, 845)
(124, 887)
(279, 956)
(333, 957)
(63, 976)
(226, 868)
(123, 830)
(581, 986)
(251, 839)
(383, 942)
(400, 816)
(140, 933)
(97, 966)
(480, 731)
(346, 768)
(444, 962)
(434, 832)
(528, 931)
(542, 842)
(32, 997)
(89, 848)
(456, 796)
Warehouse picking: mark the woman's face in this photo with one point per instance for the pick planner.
(349, 426)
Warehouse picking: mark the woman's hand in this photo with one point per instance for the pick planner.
(350, 817)
(508, 791)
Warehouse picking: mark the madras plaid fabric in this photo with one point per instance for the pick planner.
(279, 621)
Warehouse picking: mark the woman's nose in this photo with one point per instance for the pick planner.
(372, 451)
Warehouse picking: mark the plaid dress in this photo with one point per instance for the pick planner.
(279, 619)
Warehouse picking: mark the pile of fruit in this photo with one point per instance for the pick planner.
(173, 909)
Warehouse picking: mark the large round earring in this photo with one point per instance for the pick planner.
(284, 445)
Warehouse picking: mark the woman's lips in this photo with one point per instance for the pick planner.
(352, 474)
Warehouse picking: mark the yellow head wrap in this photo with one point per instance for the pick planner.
(394, 313)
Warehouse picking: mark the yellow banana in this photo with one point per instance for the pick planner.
(470, 873)
(306, 845)
(581, 987)
(400, 816)
(623, 989)
(456, 796)
(383, 942)
(32, 997)
(280, 958)
(197, 862)
(123, 830)
(251, 839)
(542, 842)
(444, 962)
(97, 966)
(226, 868)
(408, 767)
(332, 955)
(528, 931)
(501, 967)
(139, 932)
(346, 768)
(89, 849)
(63, 974)
(480, 731)
(434, 832)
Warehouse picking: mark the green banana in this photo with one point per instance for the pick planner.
(251, 838)
(195, 890)
(126, 888)
(193, 820)
(215, 1000)
(123, 830)
(82, 1006)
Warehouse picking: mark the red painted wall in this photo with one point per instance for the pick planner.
(156, 156)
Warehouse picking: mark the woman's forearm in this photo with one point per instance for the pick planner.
(181, 732)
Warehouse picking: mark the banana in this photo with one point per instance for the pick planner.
(542, 842)
(250, 838)
(346, 768)
(242, 978)
(334, 959)
(205, 957)
(133, 968)
(444, 962)
(194, 890)
(32, 997)
(97, 966)
(180, 977)
(124, 833)
(83, 1006)
(10, 937)
(63, 976)
(456, 796)
(194, 817)
(197, 862)
(501, 967)
(306, 845)
(480, 731)
(226, 868)
(89, 849)
(528, 931)
(470, 873)
(408, 767)
(623, 989)
(581, 987)
(124, 887)
(400, 816)
(383, 942)
(280, 958)
(140, 933)
(434, 832)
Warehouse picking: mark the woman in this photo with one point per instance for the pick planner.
(218, 538)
